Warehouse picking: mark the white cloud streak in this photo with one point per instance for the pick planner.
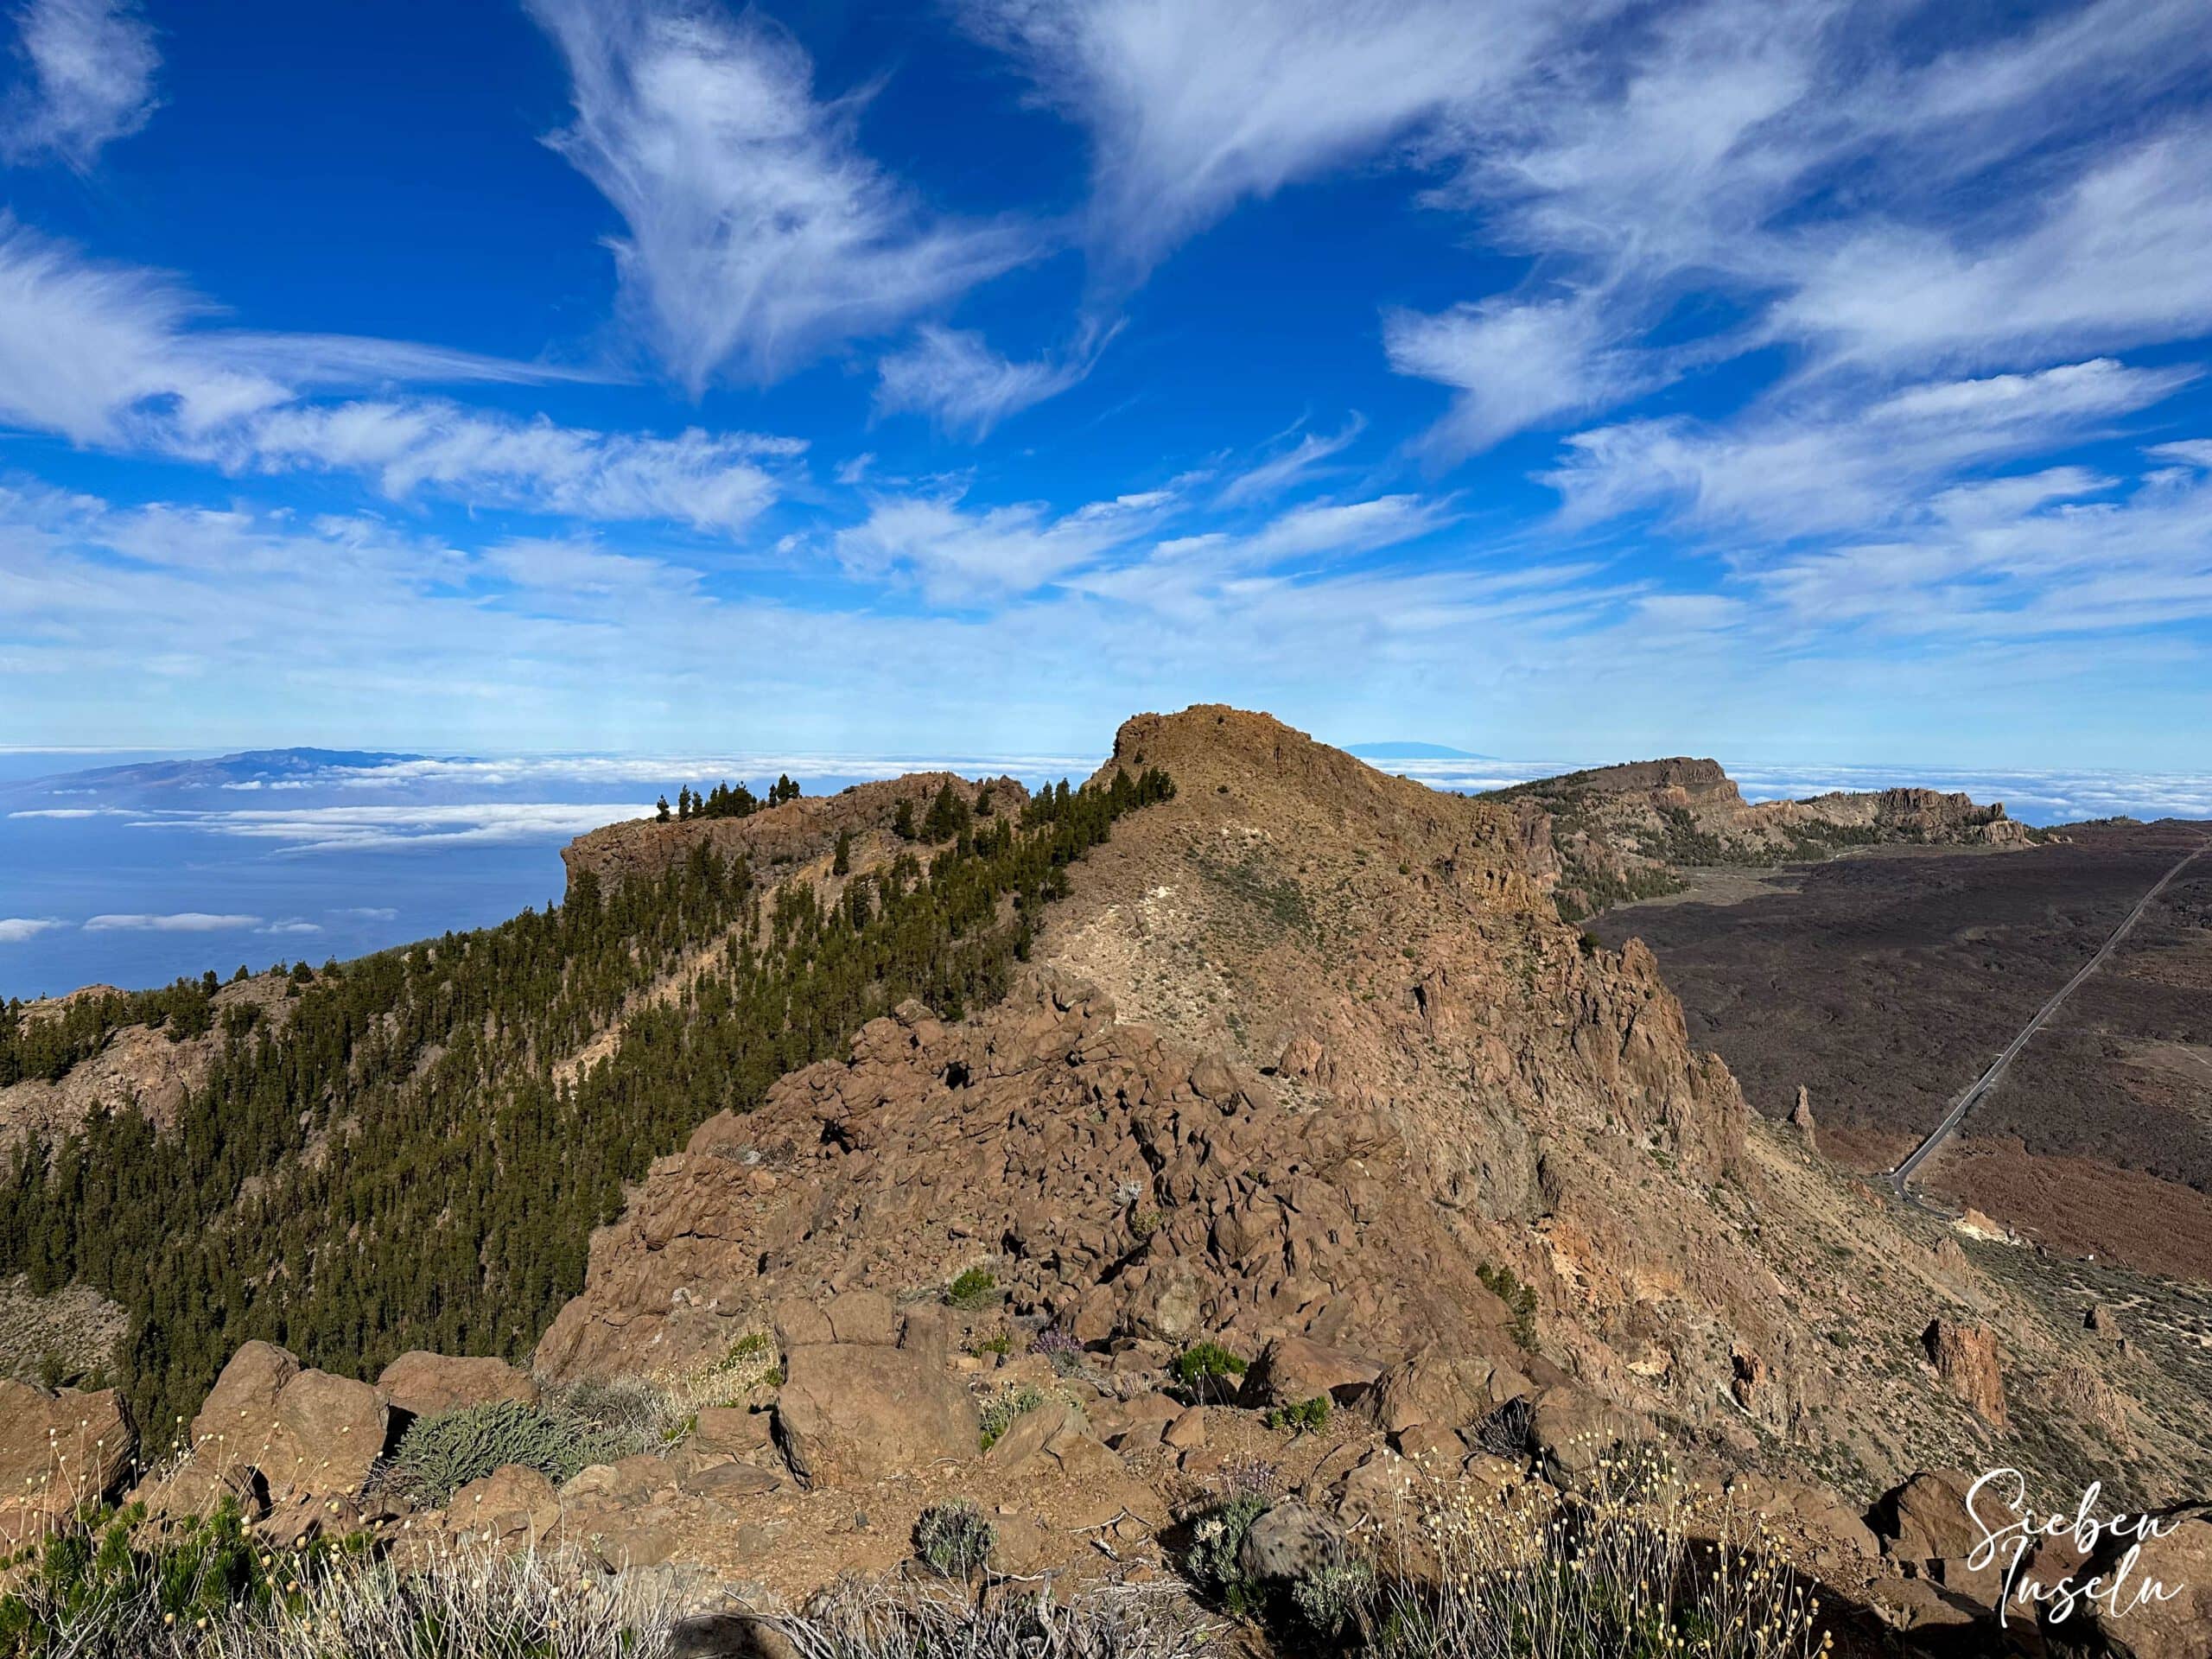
(759, 232)
(1271, 477)
(183, 921)
(1193, 109)
(16, 929)
(953, 376)
(108, 356)
(92, 66)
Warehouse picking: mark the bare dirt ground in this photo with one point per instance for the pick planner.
(1884, 981)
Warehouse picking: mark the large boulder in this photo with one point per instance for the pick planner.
(2179, 1626)
(1924, 1519)
(512, 1507)
(850, 1413)
(1438, 1390)
(422, 1384)
(58, 1450)
(1293, 1369)
(306, 1434)
(1570, 1428)
(1290, 1543)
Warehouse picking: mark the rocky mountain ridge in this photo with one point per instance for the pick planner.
(1304, 1065)
(1625, 832)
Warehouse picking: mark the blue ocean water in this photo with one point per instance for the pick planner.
(131, 869)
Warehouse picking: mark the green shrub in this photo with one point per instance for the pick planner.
(972, 1289)
(438, 1455)
(1217, 1539)
(1002, 1407)
(953, 1539)
(1209, 1368)
(1307, 1417)
(100, 1585)
(1521, 1298)
(999, 1342)
(1332, 1598)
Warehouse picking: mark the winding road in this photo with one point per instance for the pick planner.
(1902, 1175)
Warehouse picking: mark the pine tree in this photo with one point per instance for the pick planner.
(840, 862)
(660, 811)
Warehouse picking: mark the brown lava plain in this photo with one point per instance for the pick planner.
(1884, 982)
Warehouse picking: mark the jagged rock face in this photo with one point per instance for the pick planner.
(1133, 1187)
(1965, 1357)
(1308, 1049)
(1455, 1076)
(776, 838)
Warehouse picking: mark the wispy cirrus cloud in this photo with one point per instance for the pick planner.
(961, 556)
(113, 357)
(2033, 194)
(953, 376)
(1516, 364)
(91, 66)
(1844, 464)
(760, 233)
(1268, 478)
(1192, 109)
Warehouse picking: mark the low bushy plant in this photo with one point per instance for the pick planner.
(1002, 1407)
(1305, 1417)
(1635, 1562)
(102, 1584)
(1519, 1299)
(857, 1620)
(973, 1289)
(1217, 1540)
(1333, 1598)
(953, 1539)
(439, 1454)
(1209, 1369)
(209, 1590)
(1063, 1353)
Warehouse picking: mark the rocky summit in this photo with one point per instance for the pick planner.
(1303, 1146)
(1628, 831)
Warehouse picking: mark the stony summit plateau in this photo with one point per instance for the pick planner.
(1171, 1189)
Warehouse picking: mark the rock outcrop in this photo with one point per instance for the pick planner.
(300, 1436)
(849, 1414)
(57, 1452)
(1965, 1357)
(1616, 833)
(422, 1384)
(775, 839)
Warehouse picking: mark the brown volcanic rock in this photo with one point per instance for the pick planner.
(1307, 1053)
(1463, 1056)
(1039, 1130)
(1616, 832)
(849, 1414)
(307, 1434)
(1965, 1357)
(775, 836)
(57, 1451)
(422, 1384)
(2172, 1621)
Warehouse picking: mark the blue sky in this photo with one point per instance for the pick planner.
(1815, 381)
